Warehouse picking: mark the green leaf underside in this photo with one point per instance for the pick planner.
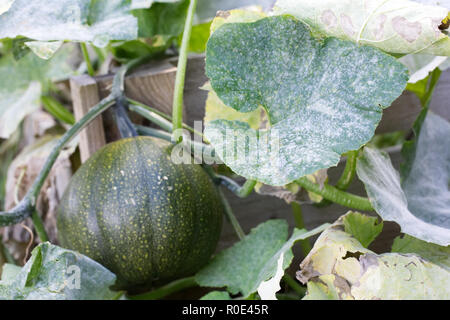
(364, 228)
(432, 252)
(323, 99)
(396, 26)
(96, 21)
(253, 260)
(51, 274)
(339, 267)
(420, 204)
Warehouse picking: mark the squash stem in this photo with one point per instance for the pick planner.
(335, 195)
(298, 217)
(152, 117)
(85, 52)
(349, 171)
(195, 147)
(435, 75)
(177, 116)
(231, 217)
(39, 226)
(166, 290)
(124, 124)
(300, 290)
(162, 115)
(240, 191)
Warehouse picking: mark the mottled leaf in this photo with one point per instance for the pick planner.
(14, 106)
(22, 82)
(54, 273)
(322, 98)
(364, 228)
(96, 21)
(396, 26)
(420, 204)
(339, 267)
(244, 266)
(432, 252)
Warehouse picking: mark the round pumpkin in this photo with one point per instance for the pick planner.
(133, 210)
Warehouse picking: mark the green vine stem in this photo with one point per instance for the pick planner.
(301, 291)
(85, 52)
(299, 223)
(435, 75)
(240, 191)
(195, 148)
(231, 217)
(39, 226)
(349, 171)
(177, 115)
(124, 124)
(166, 290)
(335, 195)
(152, 117)
(163, 115)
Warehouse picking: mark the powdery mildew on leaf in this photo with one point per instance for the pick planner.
(51, 274)
(421, 203)
(22, 83)
(80, 20)
(397, 26)
(323, 99)
(339, 267)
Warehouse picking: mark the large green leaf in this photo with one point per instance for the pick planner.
(397, 26)
(22, 82)
(339, 267)
(96, 21)
(322, 98)
(56, 273)
(243, 267)
(420, 204)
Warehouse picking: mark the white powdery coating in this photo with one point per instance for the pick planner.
(323, 99)
(393, 203)
(47, 20)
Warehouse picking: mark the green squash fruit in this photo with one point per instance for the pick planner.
(133, 210)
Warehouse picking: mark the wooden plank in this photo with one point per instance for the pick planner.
(152, 84)
(85, 95)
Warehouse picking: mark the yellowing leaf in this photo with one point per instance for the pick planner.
(339, 267)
